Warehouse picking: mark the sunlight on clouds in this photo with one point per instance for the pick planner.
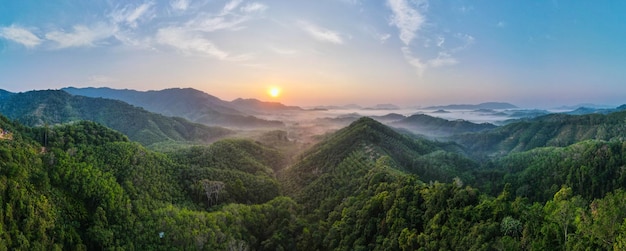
(321, 34)
(81, 36)
(20, 35)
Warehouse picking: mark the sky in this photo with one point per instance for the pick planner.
(325, 52)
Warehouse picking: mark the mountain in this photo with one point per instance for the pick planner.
(365, 141)
(383, 107)
(255, 106)
(549, 130)
(188, 103)
(438, 127)
(591, 110)
(487, 105)
(52, 107)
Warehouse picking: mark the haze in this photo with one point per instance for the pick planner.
(539, 54)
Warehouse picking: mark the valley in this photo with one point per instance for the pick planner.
(97, 173)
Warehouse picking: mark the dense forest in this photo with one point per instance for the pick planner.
(554, 183)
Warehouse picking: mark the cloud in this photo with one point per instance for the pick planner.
(130, 16)
(228, 18)
(321, 34)
(20, 35)
(443, 59)
(253, 7)
(407, 19)
(413, 61)
(189, 42)
(383, 37)
(230, 6)
(81, 36)
(180, 4)
(501, 24)
(208, 23)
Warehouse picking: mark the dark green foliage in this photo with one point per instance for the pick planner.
(551, 130)
(188, 103)
(81, 186)
(41, 108)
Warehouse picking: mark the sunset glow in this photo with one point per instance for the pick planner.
(393, 51)
(274, 92)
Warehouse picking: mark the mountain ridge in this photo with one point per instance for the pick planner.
(50, 107)
(189, 103)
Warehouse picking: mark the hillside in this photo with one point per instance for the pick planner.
(438, 127)
(354, 150)
(187, 103)
(39, 108)
(549, 130)
(82, 186)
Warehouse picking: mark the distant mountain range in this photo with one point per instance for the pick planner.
(193, 105)
(51, 107)
(487, 105)
(438, 127)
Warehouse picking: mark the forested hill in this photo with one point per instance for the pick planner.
(349, 153)
(188, 103)
(51, 107)
(438, 127)
(548, 130)
(82, 186)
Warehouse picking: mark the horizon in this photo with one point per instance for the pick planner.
(407, 53)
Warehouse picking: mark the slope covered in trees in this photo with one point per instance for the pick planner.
(188, 103)
(82, 186)
(39, 108)
(550, 130)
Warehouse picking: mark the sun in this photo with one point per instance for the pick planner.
(274, 92)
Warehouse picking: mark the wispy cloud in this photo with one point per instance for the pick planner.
(321, 34)
(209, 23)
(413, 61)
(406, 18)
(81, 36)
(180, 4)
(230, 6)
(130, 16)
(189, 42)
(443, 59)
(253, 7)
(20, 35)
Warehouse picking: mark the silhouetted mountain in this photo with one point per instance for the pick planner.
(389, 117)
(38, 108)
(188, 103)
(383, 107)
(487, 105)
(255, 106)
(438, 127)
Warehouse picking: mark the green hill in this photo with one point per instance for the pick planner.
(549, 130)
(39, 108)
(83, 186)
(187, 103)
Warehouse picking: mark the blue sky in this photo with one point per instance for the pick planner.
(407, 52)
